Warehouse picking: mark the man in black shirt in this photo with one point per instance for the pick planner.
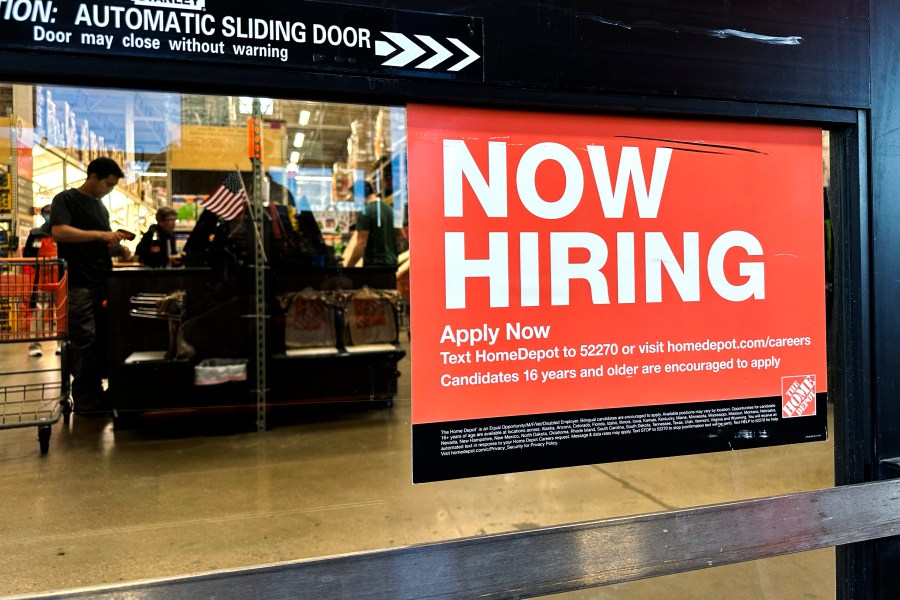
(79, 223)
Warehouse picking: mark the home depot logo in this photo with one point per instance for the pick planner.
(798, 396)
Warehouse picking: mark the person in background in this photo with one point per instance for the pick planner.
(39, 244)
(79, 222)
(376, 240)
(157, 245)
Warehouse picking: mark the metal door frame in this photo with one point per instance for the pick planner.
(558, 559)
(564, 558)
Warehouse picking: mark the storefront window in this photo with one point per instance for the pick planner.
(184, 471)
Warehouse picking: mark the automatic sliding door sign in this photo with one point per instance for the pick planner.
(320, 37)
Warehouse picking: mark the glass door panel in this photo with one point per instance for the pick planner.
(181, 482)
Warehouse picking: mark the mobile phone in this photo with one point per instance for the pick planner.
(128, 235)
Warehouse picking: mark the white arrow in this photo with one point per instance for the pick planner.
(410, 50)
(382, 48)
(471, 56)
(441, 53)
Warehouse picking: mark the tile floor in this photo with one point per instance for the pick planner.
(193, 493)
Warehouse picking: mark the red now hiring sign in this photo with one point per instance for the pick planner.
(597, 265)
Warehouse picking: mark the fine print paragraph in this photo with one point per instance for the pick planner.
(543, 434)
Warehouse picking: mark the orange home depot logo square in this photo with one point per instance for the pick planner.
(798, 396)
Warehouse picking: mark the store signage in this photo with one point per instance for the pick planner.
(608, 288)
(254, 139)
(316, 36)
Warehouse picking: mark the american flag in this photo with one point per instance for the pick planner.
(229, 199)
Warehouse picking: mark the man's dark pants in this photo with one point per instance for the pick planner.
(87, 336)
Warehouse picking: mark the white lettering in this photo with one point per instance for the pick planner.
(98, 39)
(458, 269)
(27, 10)
(526, 180)
(458, 162)
(530, 270)
(755, 285)
(625, 264)
(489, 185)
(659, 254)
(630, 168)
(132, 41)
(562, 271)
(47, 35)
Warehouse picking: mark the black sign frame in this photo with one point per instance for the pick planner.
(313, 36)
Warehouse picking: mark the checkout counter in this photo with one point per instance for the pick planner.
(149, 370)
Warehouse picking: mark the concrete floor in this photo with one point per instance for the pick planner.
(204, 492)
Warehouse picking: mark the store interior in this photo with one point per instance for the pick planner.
(182, 481)
(174, 149)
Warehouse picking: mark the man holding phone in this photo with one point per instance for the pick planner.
(79, 223)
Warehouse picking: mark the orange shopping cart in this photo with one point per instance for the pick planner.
(33, 308)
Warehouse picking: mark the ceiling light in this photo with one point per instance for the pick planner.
(298, 139)
(295, 157)
(304, 118)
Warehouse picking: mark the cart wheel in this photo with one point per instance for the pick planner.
(44, 438)
(66, 406)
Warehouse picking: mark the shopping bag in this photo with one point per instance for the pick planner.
(309, 319)
(371, 317)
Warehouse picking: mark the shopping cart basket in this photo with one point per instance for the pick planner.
(33, 308)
